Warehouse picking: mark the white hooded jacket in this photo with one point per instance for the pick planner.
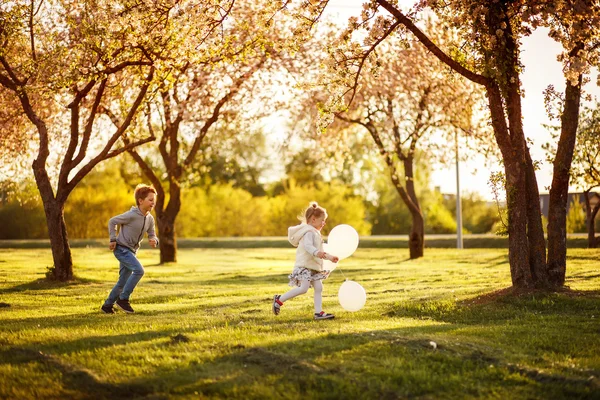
(308, 241)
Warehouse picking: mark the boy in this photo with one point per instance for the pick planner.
(133, 224)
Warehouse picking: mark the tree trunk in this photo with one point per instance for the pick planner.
(559, 191)
(416, 242)
(167, 238)
(593, 241)
(59, 241)
(518, 241)
(166, 220)
(516, 170)
(526, 248)
(62, 269)
(535, 230)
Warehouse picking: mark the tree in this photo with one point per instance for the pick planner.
(488, 55)
(585, 170)
(241, 161)
(201, 95)
(61, 61)
(411, 104)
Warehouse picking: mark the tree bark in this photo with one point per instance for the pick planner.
(518, 242)
(535, 230)
(519, 177)
(59, 241)
(416, 241)
(559, 191)
(167, 238)
(593, 241)
(62, 270)
(166, 218)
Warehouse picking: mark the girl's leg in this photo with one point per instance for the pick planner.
(303, 288)
(318, 287)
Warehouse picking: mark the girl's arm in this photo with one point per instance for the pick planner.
(307, 242)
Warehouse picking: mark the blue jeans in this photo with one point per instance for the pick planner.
(130, 273)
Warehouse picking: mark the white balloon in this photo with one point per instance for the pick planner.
(352, 296)
(343, 241)
(328, 265)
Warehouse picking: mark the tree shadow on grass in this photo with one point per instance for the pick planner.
(236, 311)
(583, 276)
(396, 363)
(48, 284)
(17, 355)
(502, 305)
(75, 379)
(392, 363)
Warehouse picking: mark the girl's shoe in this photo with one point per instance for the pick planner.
(277, 304)
(324, 315)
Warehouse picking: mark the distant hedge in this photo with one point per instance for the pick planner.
(366, 242)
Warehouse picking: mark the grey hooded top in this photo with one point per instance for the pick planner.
(133, 225)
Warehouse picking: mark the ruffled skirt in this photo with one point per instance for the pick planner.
(300, 274)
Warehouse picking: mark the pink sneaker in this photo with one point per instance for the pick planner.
(324, 315)
(277, 304)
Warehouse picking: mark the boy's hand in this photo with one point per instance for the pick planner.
(333, 259)
(152, 242)
(112, 245)
(321, 254)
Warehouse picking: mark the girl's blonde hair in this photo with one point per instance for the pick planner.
(313, 210)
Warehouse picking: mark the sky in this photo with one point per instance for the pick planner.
(539, 54)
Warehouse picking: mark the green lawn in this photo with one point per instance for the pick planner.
(203, 328)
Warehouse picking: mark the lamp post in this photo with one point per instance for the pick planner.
(459, 238)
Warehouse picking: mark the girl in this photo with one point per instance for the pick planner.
(308, 269)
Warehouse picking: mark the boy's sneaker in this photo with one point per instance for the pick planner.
(277, 304)
(108, 309)
(125, 306)
(324, 315)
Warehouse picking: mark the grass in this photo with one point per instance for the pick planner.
(203, 328)
(470, 241)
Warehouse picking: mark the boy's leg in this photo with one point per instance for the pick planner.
(124, 274)
(318, 287)
(130, 261)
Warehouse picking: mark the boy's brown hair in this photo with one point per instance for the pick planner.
(141, 191)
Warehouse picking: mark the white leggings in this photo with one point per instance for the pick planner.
(303, 288)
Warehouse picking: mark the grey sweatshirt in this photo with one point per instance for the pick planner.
(133, 226)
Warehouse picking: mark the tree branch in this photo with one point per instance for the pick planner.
(15, 81)
(88, 128)
(106, 151)
(31, 36)
(147, 170)
(443, 57)
(235, 87)
(7, 83)
(364, 57)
